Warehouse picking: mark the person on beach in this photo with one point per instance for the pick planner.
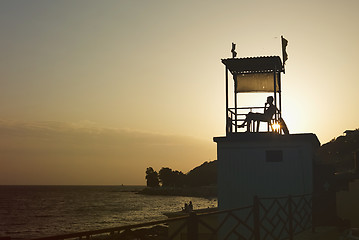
(190, 206)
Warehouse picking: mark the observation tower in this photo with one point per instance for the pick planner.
(264, 161)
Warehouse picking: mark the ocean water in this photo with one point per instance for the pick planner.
(39, 211)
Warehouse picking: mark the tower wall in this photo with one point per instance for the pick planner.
(263, 165)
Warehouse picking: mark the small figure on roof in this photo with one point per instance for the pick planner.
(269, 111)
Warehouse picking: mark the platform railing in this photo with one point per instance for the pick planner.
(235, 118)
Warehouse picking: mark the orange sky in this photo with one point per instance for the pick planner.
(93, 92)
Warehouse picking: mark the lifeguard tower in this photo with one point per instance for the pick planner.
(254, 75)
(260, 164)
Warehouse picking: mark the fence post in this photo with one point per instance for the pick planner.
(290, 218)
(313, 201)
(192, 227)
(256, 218)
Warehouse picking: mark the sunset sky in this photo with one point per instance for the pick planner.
(94, 92)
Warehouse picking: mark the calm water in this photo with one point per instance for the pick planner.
(38, 211)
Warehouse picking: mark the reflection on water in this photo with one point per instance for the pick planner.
(37, 211)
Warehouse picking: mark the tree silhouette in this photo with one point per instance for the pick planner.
(203, 175)
(152, 178)
(166, 177)
(178, 178)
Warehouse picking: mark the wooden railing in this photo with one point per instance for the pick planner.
(267, 218)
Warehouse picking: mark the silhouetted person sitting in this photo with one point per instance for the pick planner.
(190, 206)
(269, 111)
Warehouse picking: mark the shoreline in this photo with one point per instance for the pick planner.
(203, 191)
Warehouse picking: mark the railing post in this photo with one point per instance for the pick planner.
(192, 227)
(290, 218)
(256, 218)
(227, 106)
(313, 211)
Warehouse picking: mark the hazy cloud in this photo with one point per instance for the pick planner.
(85, 153)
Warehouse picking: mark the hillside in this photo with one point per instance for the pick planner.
(203, 175)
(340, 151)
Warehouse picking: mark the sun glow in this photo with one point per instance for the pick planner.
(276, 127)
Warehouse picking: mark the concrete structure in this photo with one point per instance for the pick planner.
(264, 165)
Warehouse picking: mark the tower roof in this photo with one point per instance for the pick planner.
(254, 64)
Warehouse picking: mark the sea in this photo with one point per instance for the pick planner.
(39, 211)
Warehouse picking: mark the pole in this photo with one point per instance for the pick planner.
(280, 94)
(275, 90)
(192, 227)
(290, 218)
(235, 101)
(228, 124)
(256, 220)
